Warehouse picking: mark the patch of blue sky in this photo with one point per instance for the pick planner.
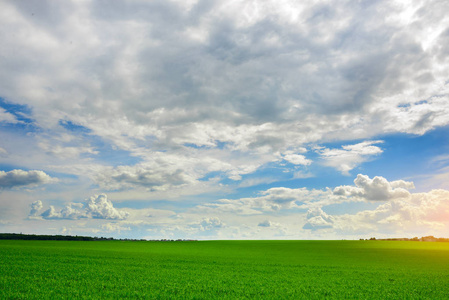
(114, 157)
(60, 175)
(220, 144)
(409, 156)
(9, 167)
(75, 128)
(191, 145)
(404, 156)
(22, 113)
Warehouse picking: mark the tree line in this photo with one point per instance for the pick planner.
(44, 237)
(429, 238)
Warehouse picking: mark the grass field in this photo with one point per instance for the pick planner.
(224, 269)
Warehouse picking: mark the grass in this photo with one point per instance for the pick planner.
(224, 269)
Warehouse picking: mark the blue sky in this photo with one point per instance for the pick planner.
(224, 120)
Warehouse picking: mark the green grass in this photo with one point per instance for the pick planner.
(224, 269)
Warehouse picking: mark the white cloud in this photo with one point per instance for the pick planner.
(350, 156)
(271, 200)
(377, 189)
(114, 227)
(419, 214)
(7, 117)
(66, 152)
(297, 159)
(95, 207)
(21, 178)
(318, 219)
(211, 223)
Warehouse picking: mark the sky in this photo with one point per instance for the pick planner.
(225, 119)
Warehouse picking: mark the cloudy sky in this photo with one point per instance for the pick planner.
(225, 119)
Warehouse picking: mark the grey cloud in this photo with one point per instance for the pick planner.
(152, 177)
(21, 178)
(265, 223)
(260, 77)
(240, 61)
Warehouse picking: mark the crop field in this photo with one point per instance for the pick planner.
(224, 269)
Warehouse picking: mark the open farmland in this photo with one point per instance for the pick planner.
(223, 269)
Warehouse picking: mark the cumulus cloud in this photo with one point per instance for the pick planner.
(95, 207)
(318, 219)
(211, 223)
(20, 178)
(36, 206)
(419, 214)
(350, 156)
(377, 189)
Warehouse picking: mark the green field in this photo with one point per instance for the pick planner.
(224, 269)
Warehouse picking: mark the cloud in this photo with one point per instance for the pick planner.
(36, 206)
(377, 189)
(241, 80)
(297, 159)
(419, 214)
(3, 152)
(95, 207)
(114, 227)
(6, 117)
(211, 223)
(143, 176)
(271, 200)
(350, 156)
(318, 219)
(20, 178)
(265, 223)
